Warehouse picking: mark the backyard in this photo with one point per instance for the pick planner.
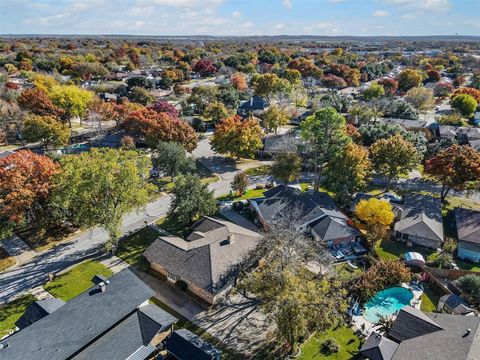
(348, 342)
(430, 298)
(76, 280)
(12, 311)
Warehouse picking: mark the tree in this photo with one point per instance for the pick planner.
(374, 91)
(228, 96)
(350, 75)
(205, 68)
(421, 98)
(286, 167)
(140, 81)
(434, 75)
(349, 172)
(73, 100)
(381, 275)
(165, 107)
(470, 287)
(236, 137)
(37, 102)
(298, 300)
(190, 199)
(25, 184)
(240, 183)
(99, 187)
(334, 82)
(46, 130)
(215, 111)
(465, 104)
(374, 212)
(475, 81)
(239, 81)
(443, 89)
(154, 127)
(397, 108)
(468, 91)
(408, 79)
(456, 167)
(390, 86)
(393, 156)
(141, 96)
(268, 85)
(274, 117)
(171, 159)
(325, 136)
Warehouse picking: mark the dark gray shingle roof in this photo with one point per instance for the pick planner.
(378, 347)
(80, 321)
(411, 323)
(38, 310)
(468, 225)
(185, 345)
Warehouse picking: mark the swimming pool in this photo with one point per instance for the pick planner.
(386, 302)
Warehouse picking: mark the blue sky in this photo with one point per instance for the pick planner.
(241, 17)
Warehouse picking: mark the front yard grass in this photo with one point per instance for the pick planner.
(349, 345)
(259, 170)
(11, 312)
(249, 194)
(132, 247)
(76, 280)
(6, 260)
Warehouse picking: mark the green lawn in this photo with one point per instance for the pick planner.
(170, 225)
(348, 341)
(76, 280)
(260, 170)
(12, 311)
(184, 323)
(249, 194)
(430, 298)
(131, 248)
(390, 250)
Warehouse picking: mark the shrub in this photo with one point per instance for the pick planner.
(330, 346)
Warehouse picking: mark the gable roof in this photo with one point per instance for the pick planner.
(468, 225)
(452, 341)
(254, 103)
(333, 225)
(80, 321)
(421, 215)
(411, 323)
(456, 304)
(206, 257)
(38, 310)
(185, 345)
(281, 143)
(378, 347)
(309, 206)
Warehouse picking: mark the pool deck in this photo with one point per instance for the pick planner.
(365, 327)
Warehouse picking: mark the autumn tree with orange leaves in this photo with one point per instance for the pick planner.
(25, 183)
(239, 81)
(236, 137)
(153, 127)
(37, 102)
(456, 167)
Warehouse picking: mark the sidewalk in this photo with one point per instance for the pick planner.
(16, 247)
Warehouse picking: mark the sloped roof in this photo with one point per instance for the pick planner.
(80, 321)
(452, 341)
(456, 304)
(254, 103)
(281, 198)
(334, 225)
(38, 310)
(185, 345)
(205, 257)
(468, 225)
(421, 216)
(411, 323)
(378, 347)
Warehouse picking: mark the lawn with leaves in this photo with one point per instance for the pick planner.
(259, 170)
(11, 312)
(76, 280)
(132, 247)
(349, 344)
(6, 260)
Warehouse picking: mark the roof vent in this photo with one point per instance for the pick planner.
(469, 331)
(251, 101)
(103, 285)
(230, 238)
(4, 345)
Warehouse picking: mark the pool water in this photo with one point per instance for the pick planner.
(386, 302)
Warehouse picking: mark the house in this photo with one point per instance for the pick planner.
(108, 140)
(316, 212)
(206, 260)
(254, 106)
(185, 345)
(279, 143)
(464, 135)
(419, 221)
(38, 310)
(426, 336)
(468, 234)
(453, 304)
(408, 124)
(111, 320)
(107, 97)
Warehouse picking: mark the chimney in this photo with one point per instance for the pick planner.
(230, 238)
(251, 101)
